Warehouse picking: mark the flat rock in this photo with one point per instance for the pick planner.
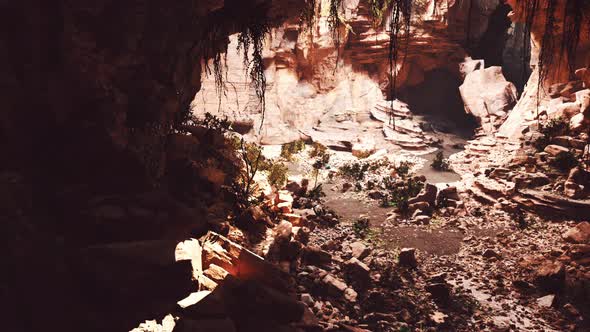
(578, 234)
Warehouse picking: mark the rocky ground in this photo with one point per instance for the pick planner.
(385, 248)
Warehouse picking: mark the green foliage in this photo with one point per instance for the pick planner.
(317, 150)
(361, 227)
(214, 123)
(354, 171)
(550, 129)
(399, 192)
(316, 192)
(403, 169)
(253, 160)
(357, 170)
(277, 174)
(440, 163)
(565, 161)
(289, 149)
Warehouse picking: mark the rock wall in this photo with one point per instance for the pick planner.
(312, 82)
(90, 91)
(536, 97)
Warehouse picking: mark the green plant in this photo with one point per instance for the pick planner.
(277, 174)
(549, 130)
(253, 161)
(361, 227)
(399, 192)
(317, 150)
(403, 169)
(289, 149)
(355, 170)
(316, 192)
(565, 161)
(440, 163)
(213, 123)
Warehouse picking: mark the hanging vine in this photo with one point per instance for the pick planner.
(252, 34)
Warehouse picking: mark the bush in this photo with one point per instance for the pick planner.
(403, 169)
(213, 123)
(277, 175)
(361, 227)
(440, 163)
(317, 150)
(253, 161)
(552, 128)
(565, 161)
(289, 149)
(355, 170)
(399, 192)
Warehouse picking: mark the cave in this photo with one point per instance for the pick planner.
(295, 165)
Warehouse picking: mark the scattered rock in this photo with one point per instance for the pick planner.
(578, 234)
(439, 291)
(359, 250)
(554, 150)
(314, 255)
(407, 257)
(357, 273)
(550, 275)
(333, 285)
(489, 253)
(546, 301)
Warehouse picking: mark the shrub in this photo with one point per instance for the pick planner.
(355, 170)
(289, 149)
(399, 192)
(277, 175)
(440, 163)
(214, 123)
(361, 227)
(403, 169)
(253, 161)
(363, 154)
(317, 150)
(551, 129)
(565, 161)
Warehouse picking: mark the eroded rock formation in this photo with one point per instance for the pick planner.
(312, 83)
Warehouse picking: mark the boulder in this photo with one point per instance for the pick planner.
(307, 299)
(357, 273)
(550, 275)
(428, 195)
(546, 301)
(486, 92)
(350, 295)
(301, 234)
(359, 250)
(407, 257)
(578, 234)
(554, 150)
(439, 291)
(334, 286)
(314, 255)
(565, 111)
(240, 262)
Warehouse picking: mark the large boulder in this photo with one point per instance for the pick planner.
(486, 92)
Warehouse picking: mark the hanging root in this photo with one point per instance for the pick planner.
(252, 35)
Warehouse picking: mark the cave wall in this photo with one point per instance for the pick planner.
(535, 97)
(311, 81)
(91, 90)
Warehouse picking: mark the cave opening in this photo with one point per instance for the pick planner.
(505, 44)
(438, 102)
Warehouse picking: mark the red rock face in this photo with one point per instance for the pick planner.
(557, 66)
(311, 81)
